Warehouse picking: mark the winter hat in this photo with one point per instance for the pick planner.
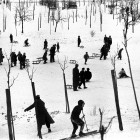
(80, 102)
(37, 97)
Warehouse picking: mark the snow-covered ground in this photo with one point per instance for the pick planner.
(48, 77)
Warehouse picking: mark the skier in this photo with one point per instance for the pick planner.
(120, 54)
(122, 74)
(79, 41)
(82, 78)
(45, 57)
(1, 56)
(43, 116)
(45, 44)
(88, 75)
(86, 57)
(11, 38)
(75, 77)
(76, 120)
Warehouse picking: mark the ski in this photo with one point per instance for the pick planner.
(78, 137)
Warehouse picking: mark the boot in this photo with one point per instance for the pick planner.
(73, 135)
(49, 130)
(81, 134)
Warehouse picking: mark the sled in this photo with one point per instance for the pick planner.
(81, 46)
(73, 61)
(27, 45)
(15, 41)
(39, 59)
(36, 62)
(27, 63)
(96, 54)
(69, 86)
(78, 137)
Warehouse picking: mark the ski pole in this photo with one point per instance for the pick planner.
(85, 120)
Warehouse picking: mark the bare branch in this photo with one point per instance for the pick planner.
(14, 80)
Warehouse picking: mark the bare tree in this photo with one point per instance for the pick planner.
(63, 68)
(8, 98)
(103, 130)
(130, 16)
(23, 14)
(57, 18)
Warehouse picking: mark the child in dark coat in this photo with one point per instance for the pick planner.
(76, 120)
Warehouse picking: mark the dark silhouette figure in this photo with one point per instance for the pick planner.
(23, 60)
(86, 57)
(43, 116)
(52, 53)
(104, 52)
(120, 54)
(26, 43)
(13, 59)
(20, 59)
(75, 77)
(45, 44)
(82, 78)
(76, 120)
(1, 56)
(88, 75)
(45, 57)
(122, 74)
(58, 46)
(11, 38)
(79, 41)
(105, 39)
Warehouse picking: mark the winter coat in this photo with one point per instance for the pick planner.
(45, 56)
(42, 114)
(82, 75)
(1, 56)
(76, 112)
(88, 75)
(75, 77)
(86, 56)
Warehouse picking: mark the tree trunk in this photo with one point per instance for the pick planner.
(22, 26)
(66, 95)
(132, 82)
(117, 99)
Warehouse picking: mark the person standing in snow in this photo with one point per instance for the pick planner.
(20, 59)
(120, 54)
(23, 60)
(75, 77)
(82, 78)
(1, 56)
(58, 46)
(79, 41)
(86, 57)
(88, 75)
(104, 52)
(43, 116)
(45, 56)
(76, 120)
(11, 38)
(45, 44)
